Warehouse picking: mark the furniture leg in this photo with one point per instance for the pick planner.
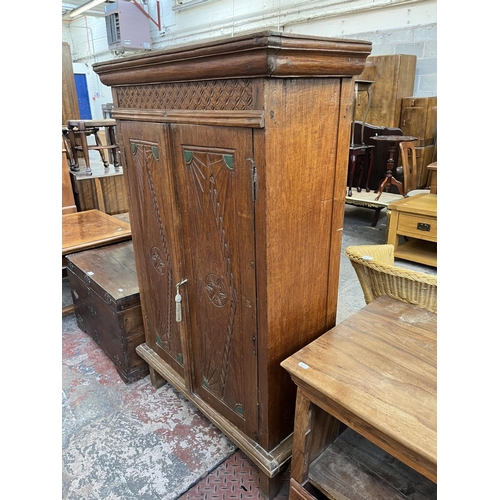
(301, 438)
(361, 170)
(98, 142)
(114, 150)
(157, 380)
(307, 444)
(352, 166)
(370, 165)
(376, 215)
(85, 149)
(271, 486)
(74, 166)
(381, 187)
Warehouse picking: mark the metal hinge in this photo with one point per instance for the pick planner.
(254, 179)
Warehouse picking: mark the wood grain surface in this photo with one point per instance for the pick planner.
(376, 372)
(90, 229)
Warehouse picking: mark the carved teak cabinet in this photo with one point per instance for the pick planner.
(235, 158)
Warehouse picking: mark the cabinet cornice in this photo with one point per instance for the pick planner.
(267, 54)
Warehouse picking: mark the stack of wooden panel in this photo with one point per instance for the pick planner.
(393, 78)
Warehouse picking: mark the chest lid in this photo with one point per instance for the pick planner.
(110, 272)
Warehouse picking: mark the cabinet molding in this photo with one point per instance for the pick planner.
(251, 119)
(267, 54)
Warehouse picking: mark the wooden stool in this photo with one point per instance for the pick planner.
(79, 130)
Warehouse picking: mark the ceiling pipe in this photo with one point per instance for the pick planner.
(157, 24)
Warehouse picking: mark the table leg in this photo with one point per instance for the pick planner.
(82, 133)
(389, 178)
(352, 167)
(361, 170)
(314, 429)
(114, 150)
(100, 147)
(74, 166)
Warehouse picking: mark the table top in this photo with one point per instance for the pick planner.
(376, 371)
(419, 204)
(433, 165)
(90, 229)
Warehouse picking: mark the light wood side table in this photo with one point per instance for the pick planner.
(413, 228)
(376, 374)
(432, 172)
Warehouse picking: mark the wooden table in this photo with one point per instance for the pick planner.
(90, 229)
(414, 218)
(392, 142)
(376, 373)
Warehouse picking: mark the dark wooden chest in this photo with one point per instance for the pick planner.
(105, 293)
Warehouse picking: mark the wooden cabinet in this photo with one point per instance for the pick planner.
(419, 119)
(235, 157)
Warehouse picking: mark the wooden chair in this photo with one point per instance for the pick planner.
(410, 171)
(360, 156)
(377, 275)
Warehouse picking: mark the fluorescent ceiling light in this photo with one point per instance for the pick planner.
(85, 7)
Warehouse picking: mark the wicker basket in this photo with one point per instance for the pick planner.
(374, 266)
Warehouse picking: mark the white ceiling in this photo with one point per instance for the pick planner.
(69, 5)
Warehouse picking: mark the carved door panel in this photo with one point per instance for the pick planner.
(155, 227)
(215, 187)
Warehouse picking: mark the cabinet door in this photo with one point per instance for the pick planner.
(154, 220)
(215, 187)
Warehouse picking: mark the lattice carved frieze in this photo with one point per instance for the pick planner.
(233, 94)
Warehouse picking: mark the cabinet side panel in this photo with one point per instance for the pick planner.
(295, 231)
(155, 227)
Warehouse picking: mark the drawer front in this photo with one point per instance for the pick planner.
(417, 226)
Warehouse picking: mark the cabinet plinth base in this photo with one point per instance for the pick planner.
(272, 464)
